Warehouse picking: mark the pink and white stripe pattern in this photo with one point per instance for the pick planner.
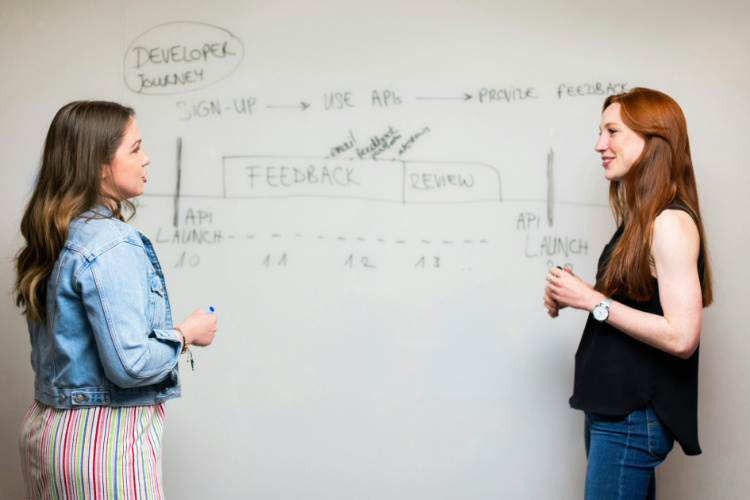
(92, 453)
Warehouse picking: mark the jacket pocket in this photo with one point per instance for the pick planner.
(157, 302)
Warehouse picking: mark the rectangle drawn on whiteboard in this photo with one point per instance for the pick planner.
(393, 181)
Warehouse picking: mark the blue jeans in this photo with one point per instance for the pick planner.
(623, 452)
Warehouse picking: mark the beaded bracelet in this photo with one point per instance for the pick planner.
(185, 348)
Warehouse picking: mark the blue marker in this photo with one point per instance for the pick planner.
(210, 310)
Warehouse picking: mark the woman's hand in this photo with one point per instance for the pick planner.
(199, 328)
(565, 289)
(553, 306)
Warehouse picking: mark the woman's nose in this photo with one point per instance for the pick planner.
(601, 144)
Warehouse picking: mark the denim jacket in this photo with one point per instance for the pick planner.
(108, 337)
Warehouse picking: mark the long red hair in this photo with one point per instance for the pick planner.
(661, 176)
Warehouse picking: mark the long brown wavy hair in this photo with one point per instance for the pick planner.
(661, 176)
(80, 146)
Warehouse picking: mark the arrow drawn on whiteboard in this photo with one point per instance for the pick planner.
(302, 105)
(466, 97)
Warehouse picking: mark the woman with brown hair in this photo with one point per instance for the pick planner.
(103, 345)
(636, 373)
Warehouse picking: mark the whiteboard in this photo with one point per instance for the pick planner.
(370, 197)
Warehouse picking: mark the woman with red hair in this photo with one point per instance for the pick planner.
(636, 373)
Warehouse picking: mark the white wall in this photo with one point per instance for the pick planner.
(348, 364)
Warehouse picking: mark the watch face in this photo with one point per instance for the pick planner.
(600, 312)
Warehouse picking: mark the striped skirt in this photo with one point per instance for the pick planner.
(93, 453)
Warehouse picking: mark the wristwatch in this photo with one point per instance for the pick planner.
(601, 310)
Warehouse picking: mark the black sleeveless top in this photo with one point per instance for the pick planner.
(616, 374)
